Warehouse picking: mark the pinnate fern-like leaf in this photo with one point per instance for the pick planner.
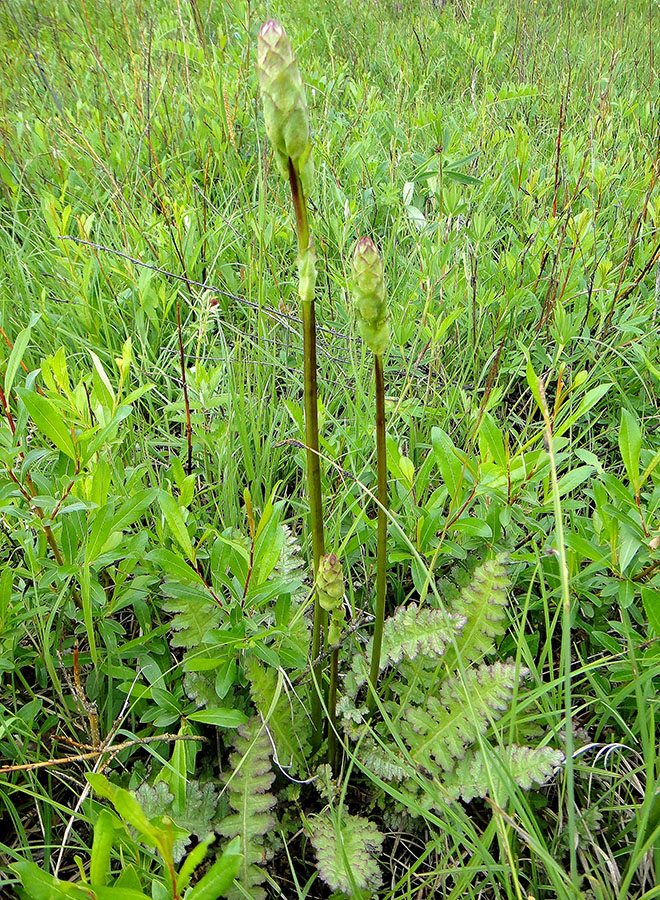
(283, 715)
(291, 564)
(439, 734)
(346, 851)
(197, 818)
(473, 776)
(483, 605)
(386, 765)
(248, 794)
(417, 630)
(195, 613)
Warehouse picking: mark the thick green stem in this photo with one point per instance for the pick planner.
(312, 443)
(381, 557)
(333, 756)
(300, 210)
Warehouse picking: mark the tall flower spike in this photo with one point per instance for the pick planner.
(285, 107)
(368, 286)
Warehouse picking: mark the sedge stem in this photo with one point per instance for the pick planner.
(381, 554)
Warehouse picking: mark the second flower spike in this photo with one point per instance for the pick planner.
(368, 284)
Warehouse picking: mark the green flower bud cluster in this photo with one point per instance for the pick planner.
(285, 107)
(368, 286)
(330, 582)
(330, 587)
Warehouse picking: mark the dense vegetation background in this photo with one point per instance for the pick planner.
(505, 158)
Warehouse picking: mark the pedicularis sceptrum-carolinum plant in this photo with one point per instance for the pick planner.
(444, 698)
(287, 124)
(419, 710)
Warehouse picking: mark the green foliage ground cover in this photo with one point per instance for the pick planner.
(504, 157)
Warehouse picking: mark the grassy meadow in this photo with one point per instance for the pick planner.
(158, 693)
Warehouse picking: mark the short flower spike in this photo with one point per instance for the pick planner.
(330, 582)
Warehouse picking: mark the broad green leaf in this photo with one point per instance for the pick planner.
(15, 357)
(629, 547)
(460, 177)
(589, 400)
(192, 860)
(651, 601)
(491, 436)
(630, 444)
(125, 804)
(99, 532)
(88, 616)
(649, 470)
(446, 323)
(220, 876)
(104, 832)
(48, 420)
(533, 382)
(98, 365)
(573, 479)
(174, 566)
(128, 877)
(105, 434)
(177, 775)
(6, 586)
(176, 524)
(115, 893)
(39, 885)
(407, 470)
(449, 464)
(130, 511)
(222, 718)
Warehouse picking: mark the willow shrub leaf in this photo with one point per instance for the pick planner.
(48, 419)
(176, 523)
(630, 445)
(15, 358)
(221, 718)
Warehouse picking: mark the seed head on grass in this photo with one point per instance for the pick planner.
(285, 108)
(368, 284)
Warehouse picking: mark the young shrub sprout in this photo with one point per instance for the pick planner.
(287, 125)
(368, 286)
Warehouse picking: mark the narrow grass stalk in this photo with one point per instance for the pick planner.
(565, 635)
(381, 552)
